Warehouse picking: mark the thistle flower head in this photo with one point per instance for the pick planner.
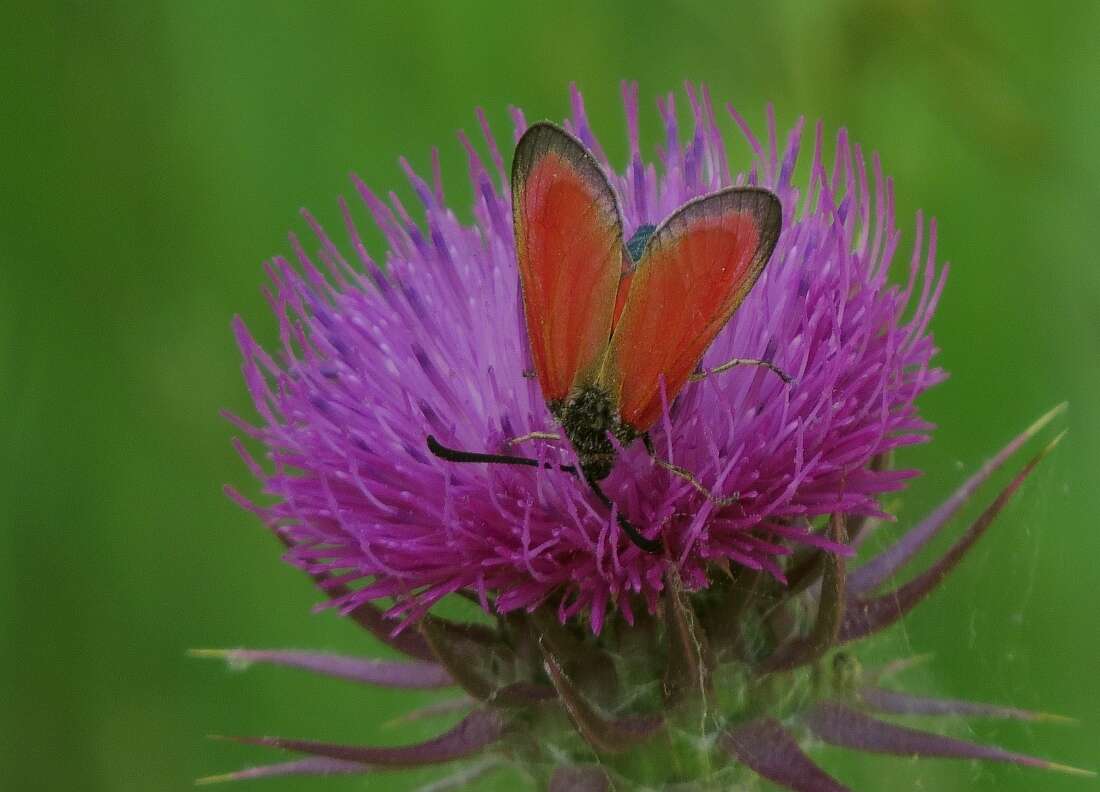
(704, 667)
(432, 342)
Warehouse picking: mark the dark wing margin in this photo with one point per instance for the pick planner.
(569, 248)
(697, 269)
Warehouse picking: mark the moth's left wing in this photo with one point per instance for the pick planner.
(569, 247)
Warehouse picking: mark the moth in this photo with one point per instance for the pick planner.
(612, 321)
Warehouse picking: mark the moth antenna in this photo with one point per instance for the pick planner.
(686, 475)
(774, 369)
(455, 455)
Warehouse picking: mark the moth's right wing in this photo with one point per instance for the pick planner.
(696, 269)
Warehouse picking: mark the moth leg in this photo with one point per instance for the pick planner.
(686, 475)
(774, 369)
(533, 436)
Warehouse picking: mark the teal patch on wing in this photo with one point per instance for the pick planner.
(636, 246)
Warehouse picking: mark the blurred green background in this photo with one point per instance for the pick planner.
(155, 153)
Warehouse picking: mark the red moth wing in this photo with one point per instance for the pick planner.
(569, 245)
(620, 298)
(696, 270)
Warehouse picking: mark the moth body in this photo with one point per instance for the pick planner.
(588, 418)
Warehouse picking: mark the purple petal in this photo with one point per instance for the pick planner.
(766, 747)
(896, 703)
(314, 766)
(371, 672)
(838, 724)
(867, 616)
(472, 734)
(579, 779)
(879, 569)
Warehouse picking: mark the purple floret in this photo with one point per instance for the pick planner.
(375, 357)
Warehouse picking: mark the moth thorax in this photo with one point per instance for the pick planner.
(587, 418)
